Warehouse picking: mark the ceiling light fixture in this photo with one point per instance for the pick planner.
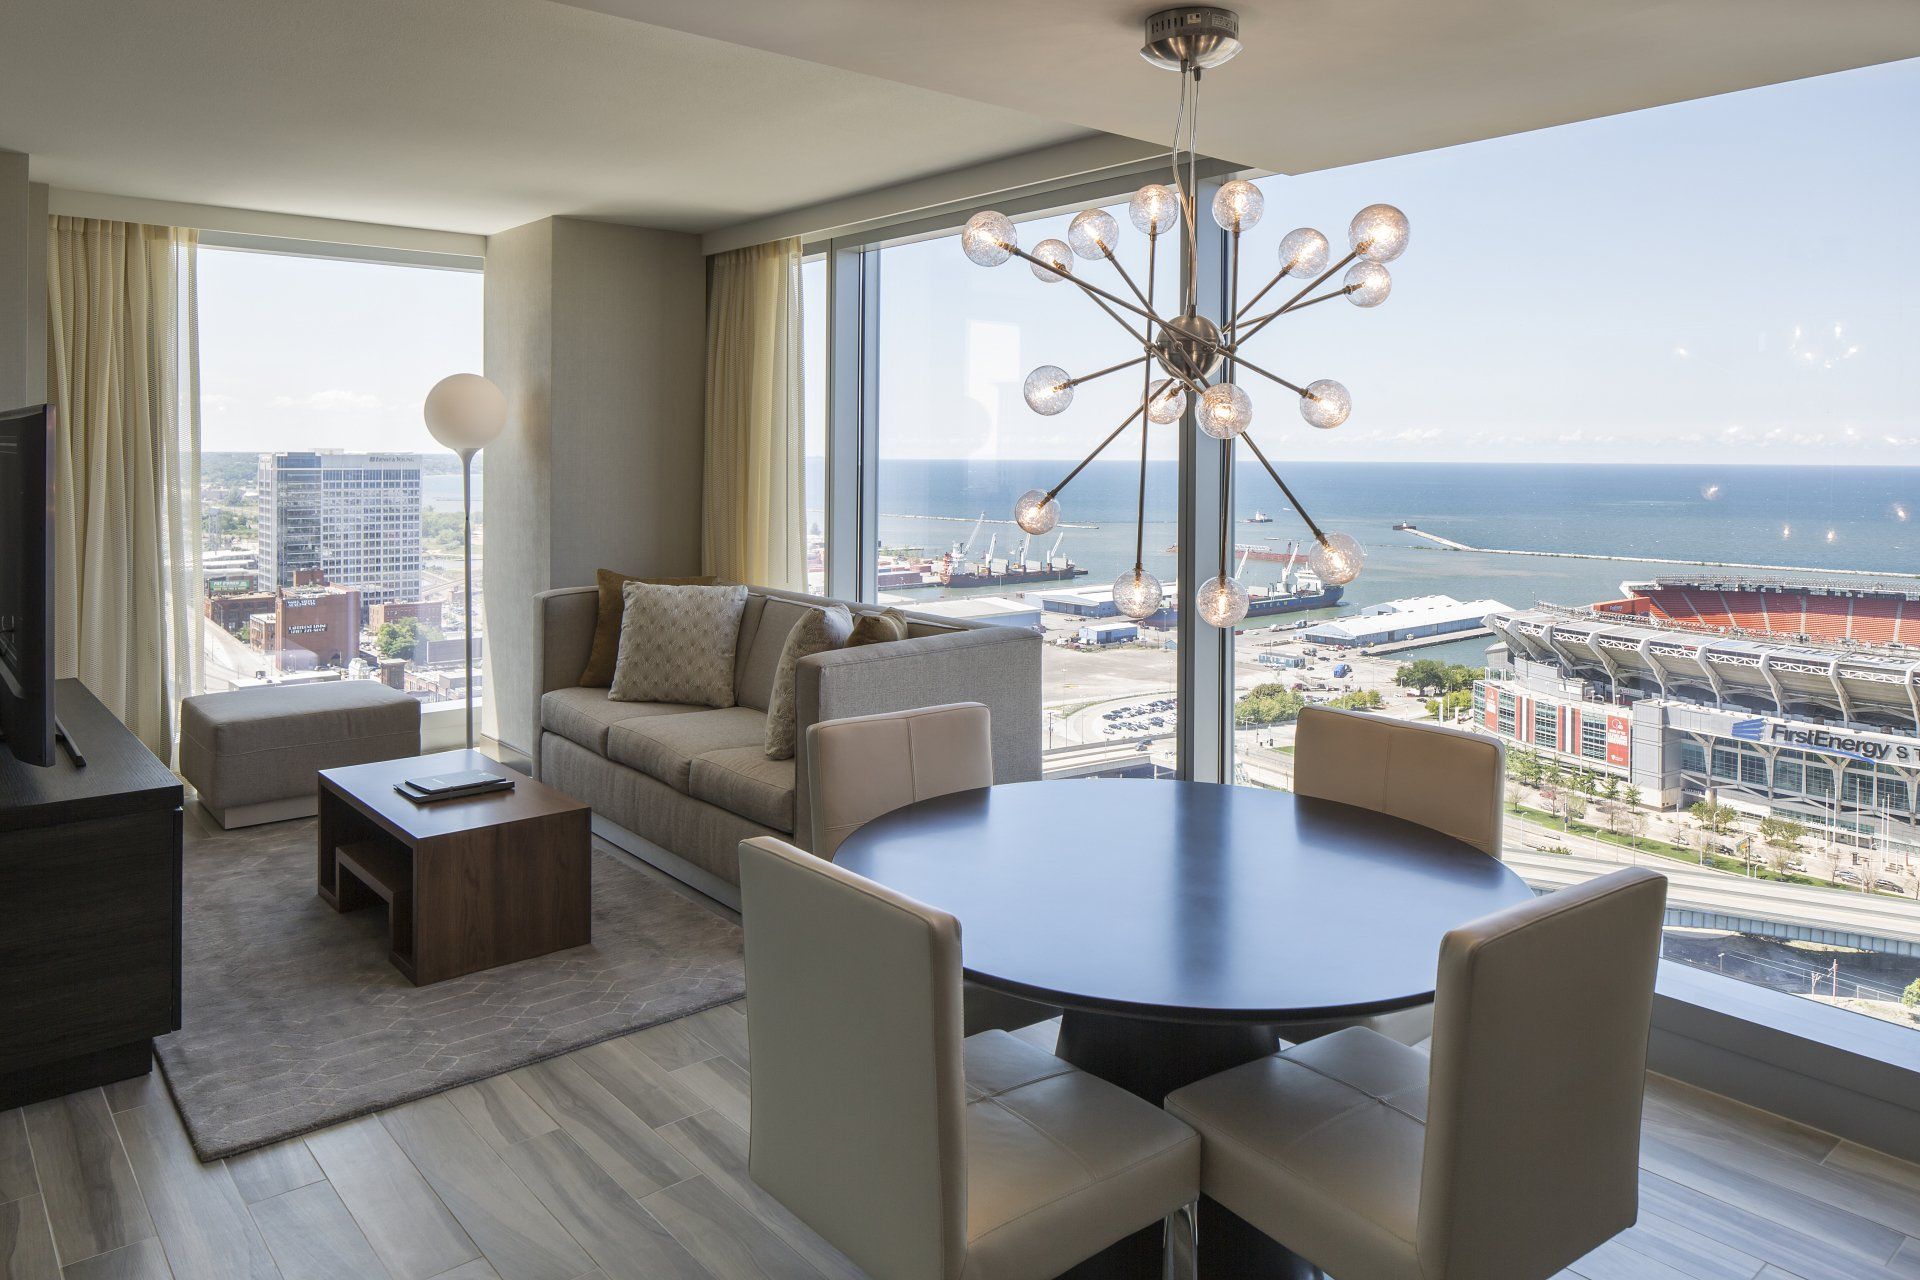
(1186, 359)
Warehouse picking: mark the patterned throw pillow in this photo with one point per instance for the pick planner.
(677, 643)
(610, 608)
(878, 628)
(820, 630)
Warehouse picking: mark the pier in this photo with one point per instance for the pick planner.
(1437, 543)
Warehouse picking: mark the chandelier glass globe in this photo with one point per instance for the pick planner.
(1237, 206)
(1154, 209)
(1225, 411)
(1337, 560)
(1137, 594)
(1168, 402)
(988, 238)
(1379, 232)
(1052, 254)
(1367, 283)
(1048, 390)
(1222, 602)
(1037, 511)
(1303, 252)
(1326, 404)
(1093, 233)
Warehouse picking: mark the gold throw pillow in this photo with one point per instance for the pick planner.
(878, 628)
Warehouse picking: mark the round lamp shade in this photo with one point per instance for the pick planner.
(466, 411)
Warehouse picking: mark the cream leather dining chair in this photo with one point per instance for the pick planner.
(863, 766)
(919, 1153)
(1448, 780)
(1509, 1154)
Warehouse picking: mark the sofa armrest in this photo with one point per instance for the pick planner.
(996, 666)
(563, 624)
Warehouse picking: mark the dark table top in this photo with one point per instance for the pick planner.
(370, 788)
(1186, 900)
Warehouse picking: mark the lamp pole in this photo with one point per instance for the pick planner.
(466, 577)
(466, 413)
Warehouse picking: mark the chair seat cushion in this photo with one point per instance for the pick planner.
(584, 715)
(743, 780)
(1060, 1164)
(665, 747)
(1320, 1148)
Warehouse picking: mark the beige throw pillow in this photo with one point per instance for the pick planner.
(677, 643)
(819, 631)
(878, 628)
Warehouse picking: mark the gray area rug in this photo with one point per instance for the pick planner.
(294, 1019)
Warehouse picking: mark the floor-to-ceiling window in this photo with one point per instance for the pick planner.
(331, 519)
(958, 443)
(813, 366)
(1643, 395)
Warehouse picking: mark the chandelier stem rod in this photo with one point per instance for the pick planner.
(1098, 449)
(1281, 310)
(1226, 502)
(1325, 297)
(1241, 313)
(1101, 373)
(1094, 289)
(1271, 377)
(1145, 301)
(1146, 430)
(1319, 535)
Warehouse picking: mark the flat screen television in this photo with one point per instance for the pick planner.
(26, 584)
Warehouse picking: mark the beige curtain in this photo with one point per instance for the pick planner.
(754, 514)
(123, 375)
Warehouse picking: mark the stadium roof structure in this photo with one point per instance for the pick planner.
(1805, 677)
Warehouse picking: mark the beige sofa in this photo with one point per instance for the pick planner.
(682, 786)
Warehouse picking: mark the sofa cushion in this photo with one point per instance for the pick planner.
(585, 715)
(664, 747)
(677, 644)
(742, 780)
(757, 672)
(818, 631)
(611, 606)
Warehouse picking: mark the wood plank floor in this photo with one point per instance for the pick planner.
(628, 1160)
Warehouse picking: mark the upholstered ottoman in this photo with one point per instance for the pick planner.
(252, 753)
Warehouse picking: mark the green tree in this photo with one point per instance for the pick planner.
(1609, 787)
(1358, 700)
(1524, 763)
(1911, 996)
(1423, 675)
(1456, 677)
(1268, 704)
(1717, 818)
(399, 638)
(1782, 833)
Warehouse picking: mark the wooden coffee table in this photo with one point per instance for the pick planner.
(469, 884)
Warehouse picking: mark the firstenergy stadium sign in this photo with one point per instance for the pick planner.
(1852, 745)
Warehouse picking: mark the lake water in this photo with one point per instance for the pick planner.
(1814, 518)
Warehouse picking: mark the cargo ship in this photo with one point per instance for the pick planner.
(955, 570)
(1297, 591)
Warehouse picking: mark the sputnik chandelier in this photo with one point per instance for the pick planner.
(1182, 352)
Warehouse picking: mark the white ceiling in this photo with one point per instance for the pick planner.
(476, 115)
(461, 115)
(1322, 82)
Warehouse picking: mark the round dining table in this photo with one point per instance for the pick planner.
(1177, 925)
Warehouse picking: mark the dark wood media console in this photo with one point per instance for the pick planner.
(89, 909)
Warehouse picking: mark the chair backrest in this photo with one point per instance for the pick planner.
(864, 766)
(1539, 1071)
(859, 1087)
(1446, 779)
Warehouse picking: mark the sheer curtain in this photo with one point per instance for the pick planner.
(754, 512)
(123, 372)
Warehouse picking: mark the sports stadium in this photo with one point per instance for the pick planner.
(1797, 699)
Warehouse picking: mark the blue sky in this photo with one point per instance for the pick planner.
(1726, 280)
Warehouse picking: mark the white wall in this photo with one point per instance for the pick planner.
(597, 335)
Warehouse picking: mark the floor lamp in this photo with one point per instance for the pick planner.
(466, 413)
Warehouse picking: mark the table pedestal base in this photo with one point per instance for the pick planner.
(1152, 1059)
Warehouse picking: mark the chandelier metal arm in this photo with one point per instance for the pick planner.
(1319, 534)
(1097, 451)
(1245, 363)
(1093, 289)
(1254, 301)
(1325, 297)
(1145, 300)
(1101, 373)
(1146, 421)
(1315, 283)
